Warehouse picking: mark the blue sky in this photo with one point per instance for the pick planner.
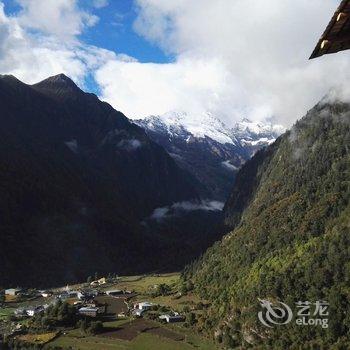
(115, 32)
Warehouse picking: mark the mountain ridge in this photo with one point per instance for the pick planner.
(207, 148)
(289, 212)
(77, 178)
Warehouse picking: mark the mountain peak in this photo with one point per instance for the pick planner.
(60, 83)
(199, 125)
(9, 78)
(246, 126)
(202, 125)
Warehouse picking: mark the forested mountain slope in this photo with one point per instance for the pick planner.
(291, 239)
(76, 179)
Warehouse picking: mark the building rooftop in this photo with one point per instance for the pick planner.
(337, 34)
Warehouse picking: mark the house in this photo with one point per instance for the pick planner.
(68, 295)
(88, 311)
(140, 308)
(137, 312)
(99, 282)
(35, 310)
(46, 294)
(91, 304)
(337, 34)
(87, 294)
(13, 291)
(172, 318)
(102, 280)
(114, 292)
(145, 305)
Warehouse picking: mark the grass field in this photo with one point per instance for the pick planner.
(143, 341)
(145, 284)
(38, 338)
(5, 312)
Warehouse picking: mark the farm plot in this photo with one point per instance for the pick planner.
(114, 305)
(131, 330)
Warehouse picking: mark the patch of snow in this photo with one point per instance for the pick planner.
(206, 125)
(246, 126)
(200, 126)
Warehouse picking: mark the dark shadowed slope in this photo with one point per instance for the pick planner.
(76, 178)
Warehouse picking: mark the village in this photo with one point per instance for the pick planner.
(113, 311)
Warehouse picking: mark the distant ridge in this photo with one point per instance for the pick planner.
(210, 150)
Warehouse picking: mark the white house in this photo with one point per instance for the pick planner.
(114, 292)
(145, 305)
(13, 291)
(172, 318)
(89, 311)
(87, 294)
(138, 312)
(35, 310)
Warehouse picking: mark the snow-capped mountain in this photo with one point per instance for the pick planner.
(209, 149)
(255, 133)
(198, 126)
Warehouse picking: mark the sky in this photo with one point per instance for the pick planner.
(233, 58)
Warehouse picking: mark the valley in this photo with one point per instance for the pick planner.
(90, 192)
(174, 175)
(120, 327)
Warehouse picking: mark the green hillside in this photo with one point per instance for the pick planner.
(290, 241)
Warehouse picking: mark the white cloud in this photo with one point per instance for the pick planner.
(130, 144)
(100, 3)
(179, 208)
(61, 18)
(234, 57)
(140, 89)
(33, 57)
(227, 164)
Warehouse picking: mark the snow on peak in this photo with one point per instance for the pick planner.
(258, 128)
(245, 132)
(199, 125)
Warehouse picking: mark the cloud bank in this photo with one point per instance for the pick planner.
(233, 58)
(41, 40)
(178, 208)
